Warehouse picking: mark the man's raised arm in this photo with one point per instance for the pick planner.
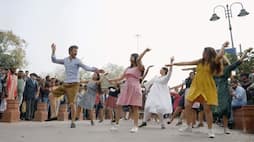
(53, 57)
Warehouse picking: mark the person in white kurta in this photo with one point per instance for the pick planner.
(158, 100)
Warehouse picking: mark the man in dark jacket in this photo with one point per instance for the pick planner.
(30, 95)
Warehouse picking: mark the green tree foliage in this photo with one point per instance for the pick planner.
(12, 53)
(248, 64)
(85, 75)
(113, 70)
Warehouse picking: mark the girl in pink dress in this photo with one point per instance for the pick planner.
(131, 94)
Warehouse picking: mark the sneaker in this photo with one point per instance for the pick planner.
(163, 126)
(186, 129)
(226, 131)
(114, 127)
(194, 126)
(142, 125)
(179, 123)
(211, 133)
(100, 121)
(200, 125)
(92, 123)
(73, 125)
(134, 130)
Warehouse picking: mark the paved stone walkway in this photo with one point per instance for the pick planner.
(57, 131)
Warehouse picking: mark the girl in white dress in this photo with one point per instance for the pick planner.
(158, 100)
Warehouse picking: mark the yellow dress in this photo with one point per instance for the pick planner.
(203, 84)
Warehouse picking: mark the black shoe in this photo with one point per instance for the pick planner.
(179, 123)
(51, 119)
(142, 125)
(230, 125)
(92, 123)
(73, 125)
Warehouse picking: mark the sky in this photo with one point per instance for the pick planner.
(105, 30)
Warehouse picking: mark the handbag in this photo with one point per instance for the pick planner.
(3, 105)
(23, 107)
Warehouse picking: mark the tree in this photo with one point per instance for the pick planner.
(85, 75)
(113, 70)
(59, 73)
(247, 66)
(12, 53)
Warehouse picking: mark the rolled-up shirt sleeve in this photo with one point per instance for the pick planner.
(57, 61)
(87, 68)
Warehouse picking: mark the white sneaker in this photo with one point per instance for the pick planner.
(226, 131)
(211, 133)
(186, 129)
(163, 126)
(195, 126)
(134, 130)
(114, 127)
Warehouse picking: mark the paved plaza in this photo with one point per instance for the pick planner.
(59, 131)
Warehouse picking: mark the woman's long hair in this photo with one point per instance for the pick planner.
(135, 56)
(99, 90)
(20, 74)
(216, 67)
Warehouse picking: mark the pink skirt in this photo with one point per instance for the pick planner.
(130, 94)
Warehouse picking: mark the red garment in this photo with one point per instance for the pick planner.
(97, 99)
(12, 86)
(111, 102)
(177, 98)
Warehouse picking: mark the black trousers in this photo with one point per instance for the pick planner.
(30, 108)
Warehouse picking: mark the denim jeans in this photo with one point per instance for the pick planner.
(45, 100)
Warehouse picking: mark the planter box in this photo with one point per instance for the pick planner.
(238, 118)
(248, 118)
(63, 114)
(12, 113)
(41, 113)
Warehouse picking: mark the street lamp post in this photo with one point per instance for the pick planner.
(138, 36)
(228, 15)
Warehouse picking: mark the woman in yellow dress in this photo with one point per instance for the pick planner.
(203, 88)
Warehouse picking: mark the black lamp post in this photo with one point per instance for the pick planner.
(228, 15)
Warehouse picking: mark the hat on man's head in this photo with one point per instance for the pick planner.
(34, 74)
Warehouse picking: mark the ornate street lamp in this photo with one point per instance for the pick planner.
(228, 15)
